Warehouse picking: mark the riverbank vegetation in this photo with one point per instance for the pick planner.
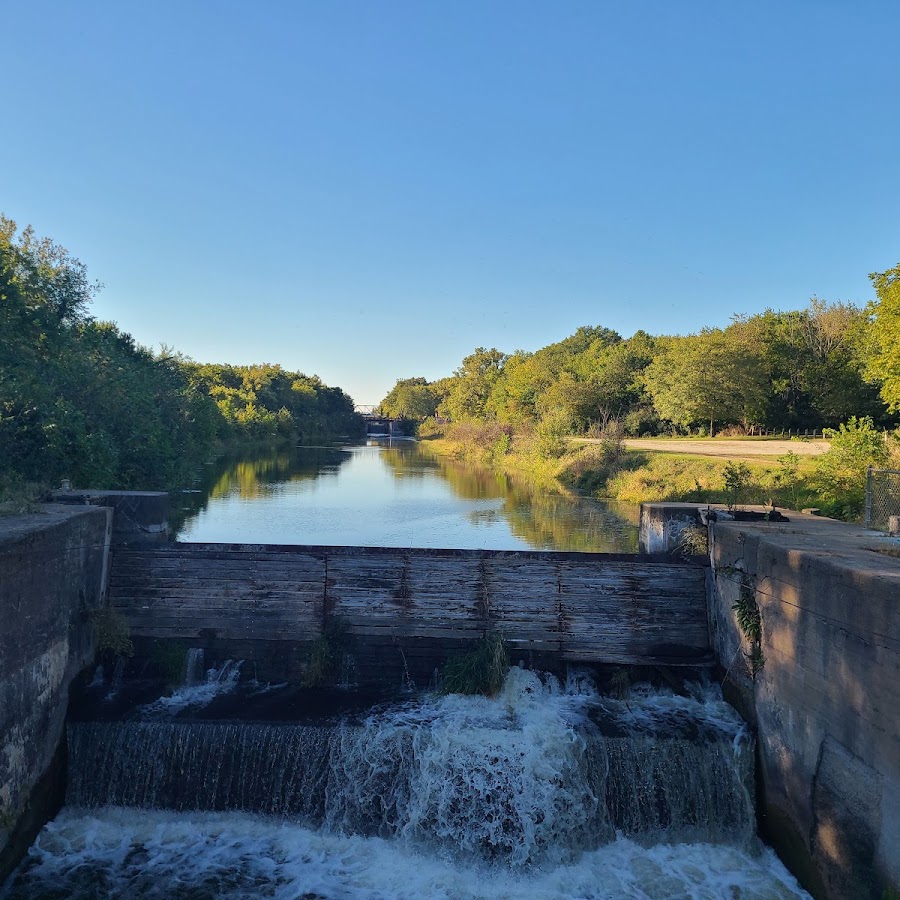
(833, 482)
(82, 400)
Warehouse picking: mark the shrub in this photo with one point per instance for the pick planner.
(692, 540)
(430, 428)
(642, 421)
(785, 481)
(620, 684)
(664, 477)
(113, 633)
(485, 441)
(19, 497)
(551, 432)
(840, 472)
(322, 659)
(480, 672)
(595, 464)
(732, 431)
(738, 481)
(320, 663)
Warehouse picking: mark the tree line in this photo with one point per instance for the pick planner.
(803, 369)
(81, 399)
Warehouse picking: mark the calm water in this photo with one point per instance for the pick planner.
(393, 494)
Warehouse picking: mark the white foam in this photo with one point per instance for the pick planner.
(504, 777)
(218, 681)
(657, 710)
(137, 853)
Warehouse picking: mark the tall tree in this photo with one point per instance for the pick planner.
(883, 364)
(409, 398)
(706, 377)
(472, 384)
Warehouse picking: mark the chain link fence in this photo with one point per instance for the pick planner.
(882, 499)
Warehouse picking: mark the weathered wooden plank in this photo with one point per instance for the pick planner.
(284, 605)
(470, 636)
(583, 607)
(215, 618)
(211, 574)
(202, 597)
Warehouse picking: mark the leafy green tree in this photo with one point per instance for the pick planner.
(262, 402)
(514, 396)
(738, 479)
(80, 399)
(472, 385)
(884, 333)
(550, 433)
(812, 362)
(410, 398)
(707, 377)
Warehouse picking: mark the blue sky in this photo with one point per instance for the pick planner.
(369, 190)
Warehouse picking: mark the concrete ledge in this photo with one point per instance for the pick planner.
(139, 517)
(825, 698)
(662, 525)
(52, 574)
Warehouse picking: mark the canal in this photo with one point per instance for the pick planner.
(392, 494)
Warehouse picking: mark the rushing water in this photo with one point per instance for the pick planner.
(547, 790)
(393, 494)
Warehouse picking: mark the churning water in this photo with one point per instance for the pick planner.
(547, 790)
(199, 688)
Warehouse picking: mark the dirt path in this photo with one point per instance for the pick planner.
(751, 449)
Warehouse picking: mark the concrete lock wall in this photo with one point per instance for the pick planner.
(52, 573)
(140, 518)
(663, 525)
(824, 694)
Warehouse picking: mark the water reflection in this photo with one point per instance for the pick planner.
(253, 477)
(392, 493)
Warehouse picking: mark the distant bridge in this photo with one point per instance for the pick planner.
(375, 422)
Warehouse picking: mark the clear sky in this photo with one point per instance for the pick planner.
(369, 189)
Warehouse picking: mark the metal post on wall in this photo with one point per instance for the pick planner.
(868, 497)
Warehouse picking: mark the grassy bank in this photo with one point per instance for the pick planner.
(607, 469)
(647, 476)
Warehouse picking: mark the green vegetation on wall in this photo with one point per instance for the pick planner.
(482, 671)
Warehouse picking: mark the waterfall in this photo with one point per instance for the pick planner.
(547, 791)
(540, 773)
(118, 677)
(197, 690)
(193, 667)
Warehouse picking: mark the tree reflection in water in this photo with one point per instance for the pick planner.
(366, 494)
(546, 518)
